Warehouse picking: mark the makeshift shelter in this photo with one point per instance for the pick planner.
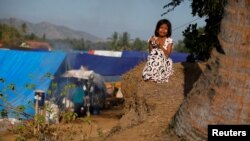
(23, 72)
(113, 66)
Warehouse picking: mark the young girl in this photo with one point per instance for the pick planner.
(159, 66)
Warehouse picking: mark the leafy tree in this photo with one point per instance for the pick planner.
(139, 45)
(223, 88)
(32, 36)
(114, 40)
(195, 42)
(124, 41)
(10, 36)
(44, 36)
(180, 47)
(24, 28)
(213, 11)
(78, 44)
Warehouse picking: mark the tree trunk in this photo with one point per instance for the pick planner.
(222, 93)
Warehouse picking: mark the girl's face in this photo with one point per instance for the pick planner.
(163, 30)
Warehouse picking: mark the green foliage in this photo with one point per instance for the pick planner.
(139, 45)
(195, 41)
(171, 5)
(24, 28)
(12, 87)
(66, 89)
(120, 42)
(20, 109)
(78, 44)
(44, 37)
(39, 120)
(114, 41)
(87, 119)
(210, 8)
(23, 131)
(200, 43)
(10, 36)
(180, 47)
(49, 75)
(68, 117)
(31, 86)
(3, 113)
(124, 41)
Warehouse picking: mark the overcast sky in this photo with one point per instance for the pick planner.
(101, 17)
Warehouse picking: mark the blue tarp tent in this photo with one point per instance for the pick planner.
(114, 66)
(135, 54)
(178, 57)
(175, 56)
(21, 72)
(104, 65)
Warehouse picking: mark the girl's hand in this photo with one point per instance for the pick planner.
(153, 41)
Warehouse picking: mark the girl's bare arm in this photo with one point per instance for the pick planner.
(168, 51)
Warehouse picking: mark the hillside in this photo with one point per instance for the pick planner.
(51, 31)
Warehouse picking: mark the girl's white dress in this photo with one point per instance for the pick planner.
(158, 67)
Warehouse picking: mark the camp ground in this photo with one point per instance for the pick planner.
(24, 74)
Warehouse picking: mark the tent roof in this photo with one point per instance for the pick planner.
(24, 72)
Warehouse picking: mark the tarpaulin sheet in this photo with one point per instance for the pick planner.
(106, 66)
(23, 72)
(111, 66)
(175, 56)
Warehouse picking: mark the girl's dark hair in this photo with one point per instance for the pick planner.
(161, 22)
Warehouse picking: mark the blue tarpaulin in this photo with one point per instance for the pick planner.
(23, 72)
(110, 66)
(135, 54)
(178, 57)
(104, 65)
(175, 56)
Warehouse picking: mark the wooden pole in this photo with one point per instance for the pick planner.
(36, 111)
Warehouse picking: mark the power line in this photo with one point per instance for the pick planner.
(186, 23)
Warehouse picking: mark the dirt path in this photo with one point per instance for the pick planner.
(79, 130)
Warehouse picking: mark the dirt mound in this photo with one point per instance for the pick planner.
(149, 107)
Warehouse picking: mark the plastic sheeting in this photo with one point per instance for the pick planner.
(175, 56)
(178, 57)
(114, 66)
(21, 73)
(104, 65)
(108, 53)
(135, 54)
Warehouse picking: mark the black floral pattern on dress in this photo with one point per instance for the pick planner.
(158, 68)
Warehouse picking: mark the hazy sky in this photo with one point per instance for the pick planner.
(101, 17)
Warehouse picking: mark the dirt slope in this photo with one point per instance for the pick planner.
(149, 106)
